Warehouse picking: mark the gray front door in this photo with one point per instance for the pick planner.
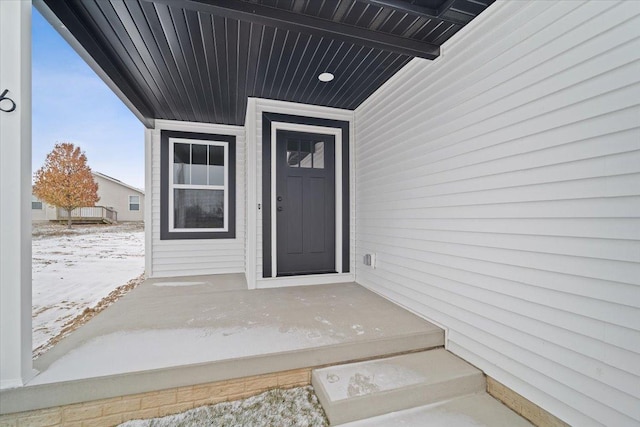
(305, 203)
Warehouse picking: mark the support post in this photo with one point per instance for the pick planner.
(148, 202)
(15, 193)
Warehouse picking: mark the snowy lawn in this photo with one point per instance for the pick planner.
(78, 271)
(293, 407)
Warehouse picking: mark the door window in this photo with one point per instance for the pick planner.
(305, 154)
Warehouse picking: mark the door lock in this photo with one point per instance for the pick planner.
(280, 208)
(279, 198)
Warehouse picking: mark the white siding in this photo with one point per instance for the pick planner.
(255, 109)
(116, 195)
(499, 187)
(194, 257)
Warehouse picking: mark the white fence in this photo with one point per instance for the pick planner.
(89, 213)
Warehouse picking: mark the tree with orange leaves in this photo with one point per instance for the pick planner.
(65, 180)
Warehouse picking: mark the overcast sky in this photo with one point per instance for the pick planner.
(72, 104)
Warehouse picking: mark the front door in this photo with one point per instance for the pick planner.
(305, 203)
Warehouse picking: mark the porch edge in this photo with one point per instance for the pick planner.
(115, 410)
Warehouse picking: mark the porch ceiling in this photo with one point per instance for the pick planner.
(199, 60)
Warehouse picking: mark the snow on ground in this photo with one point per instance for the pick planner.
(293, 407)
(75, 269)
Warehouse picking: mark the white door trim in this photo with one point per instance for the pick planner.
(337, 134)
(256, 108)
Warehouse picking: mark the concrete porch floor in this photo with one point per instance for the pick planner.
(182, 331)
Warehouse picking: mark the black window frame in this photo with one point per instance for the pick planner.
(165, 173)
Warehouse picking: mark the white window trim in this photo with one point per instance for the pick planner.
(173, 186)
(139, 203)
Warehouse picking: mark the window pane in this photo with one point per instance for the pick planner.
(199, 174)
(318, 155)
(292, 153)
(181, 173)
(305, 154)
(198, 154)
(216, 175)
(216, 155)
(181, 153)
(198, 208)
(35, 202)
(134, 203)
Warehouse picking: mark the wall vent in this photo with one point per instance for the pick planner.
(369, 260)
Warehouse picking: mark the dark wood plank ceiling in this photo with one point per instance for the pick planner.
(190, 60)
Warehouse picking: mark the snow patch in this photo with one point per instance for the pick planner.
(294, 407)
(73, 272)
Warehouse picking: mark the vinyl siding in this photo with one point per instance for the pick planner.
(499, 187)
(116, 196)
(195, 257)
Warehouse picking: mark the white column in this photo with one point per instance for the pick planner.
(15, 193)
(148, 202)
(251, 206)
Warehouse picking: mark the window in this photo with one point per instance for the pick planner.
(198, 197)
(134, 203)
(198, 186)
(305, 154)
(36, 203)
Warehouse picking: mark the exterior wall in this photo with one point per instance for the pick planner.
(167, 258)
(116, 195)
(499, 187)
(253, 125)
(47, 213)
(39, 215)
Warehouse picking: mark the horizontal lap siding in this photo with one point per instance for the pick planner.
(207, 256)
(499, 187)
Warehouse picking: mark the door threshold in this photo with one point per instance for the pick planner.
(306, 280)
(312, 273)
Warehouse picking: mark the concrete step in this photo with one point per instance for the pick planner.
(361, 390)
(473, 410)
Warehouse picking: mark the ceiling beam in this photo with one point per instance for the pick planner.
(291, 21)
(414, 9)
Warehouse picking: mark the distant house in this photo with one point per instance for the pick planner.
(127, 201)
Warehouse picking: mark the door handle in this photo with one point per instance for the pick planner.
(280, 208)
(279, 198)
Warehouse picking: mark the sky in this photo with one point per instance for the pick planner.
(72, 104)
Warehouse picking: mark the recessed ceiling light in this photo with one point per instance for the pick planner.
(325, 77)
